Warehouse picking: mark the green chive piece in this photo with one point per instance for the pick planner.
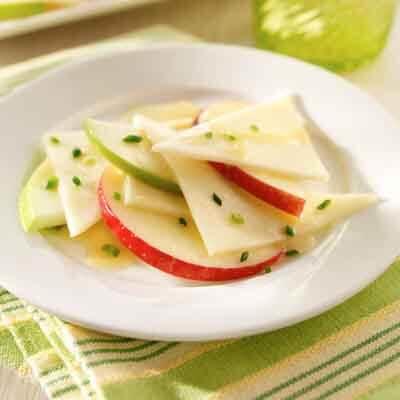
(292, 253)
(324, 204)
(132, 139)
(76, 181)
(217, 199)
(89, 161)
(111, 250)
(236, 219)
(117, 196)
(244, 256)
(229, 137)
(52, 183)
(76, 152)
(254, 128)
(208, 135)
(57, 228)
(182, 221)
(54, 140)
(268, 270)
(289, 231)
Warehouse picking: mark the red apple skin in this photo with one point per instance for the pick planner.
(169, 264)
(275, 197)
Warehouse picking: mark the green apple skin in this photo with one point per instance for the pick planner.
(21, 10)
(129, 168)
(40, 208)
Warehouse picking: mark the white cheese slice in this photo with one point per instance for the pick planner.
(177, 115)
(199, 182)
(221, 108)
(141, 195)
(269, 136)
(79, 201)
(340, 208)
(262, 224)
(182, 242)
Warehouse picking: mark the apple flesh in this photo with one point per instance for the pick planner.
(158, 241)
(135, 160)
(271, 195)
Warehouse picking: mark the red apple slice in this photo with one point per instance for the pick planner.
(160, 241)
(272, 195)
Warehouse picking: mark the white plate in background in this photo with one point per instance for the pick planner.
(90, 8)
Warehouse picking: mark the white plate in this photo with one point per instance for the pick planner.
(142, 302)
(61, 16)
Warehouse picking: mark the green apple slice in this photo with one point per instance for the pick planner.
(14, 9)
(270, 136)
(78, 169)
(139, 194)
(39, 203)
(133, 157)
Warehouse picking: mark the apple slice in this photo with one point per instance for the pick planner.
(273, 196)
(39, 203)
(134, 156)
(78, 169)
(175, 248)
(141, 195)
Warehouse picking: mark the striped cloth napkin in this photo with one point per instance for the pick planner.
(350, 352)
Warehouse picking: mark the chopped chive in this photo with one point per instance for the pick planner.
(254, 128)
(182, 221)
(132, 139)
(52, 183)
(324, 204)
(89, 161)
(217, 199)
(208, 135)
(111, 250)
(244, 256)
(57, 228)
(229, 137)
(289, 231)
(76, 181)
(268, 270)
(236, 219)
(292, 253)
(117, 196)
(54, 140)
(76, 152)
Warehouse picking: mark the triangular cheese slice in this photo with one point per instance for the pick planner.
(340, 207)
(256, 224)
(270, 136)
(177, 115)
(221, 108)
(79, 199)
(262, 224)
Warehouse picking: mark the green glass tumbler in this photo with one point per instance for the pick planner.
(340, 35)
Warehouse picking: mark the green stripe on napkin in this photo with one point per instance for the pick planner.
(350, 352)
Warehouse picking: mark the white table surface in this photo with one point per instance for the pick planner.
(226, 21)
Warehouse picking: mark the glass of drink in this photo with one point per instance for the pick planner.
(339, 35)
